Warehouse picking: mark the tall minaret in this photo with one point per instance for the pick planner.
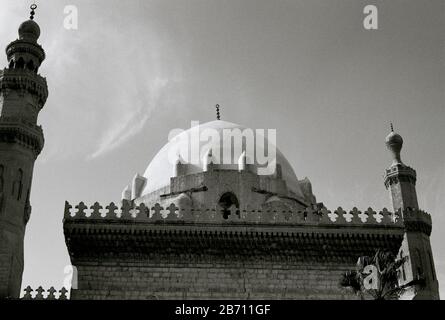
(23, 93)
(400, 180)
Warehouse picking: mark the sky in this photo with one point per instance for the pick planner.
(134, 70)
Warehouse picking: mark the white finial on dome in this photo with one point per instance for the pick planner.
(207, 160)
(178, 166)
(218, 115)
(126, 193)
(242, 161)
(137, 185)
(32, 7)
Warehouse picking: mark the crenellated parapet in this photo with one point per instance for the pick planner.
(140, 232)
(171, 214)
(42, 294)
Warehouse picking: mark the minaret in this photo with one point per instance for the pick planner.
(400, 180)
(23, 93)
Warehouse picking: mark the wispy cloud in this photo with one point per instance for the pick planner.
(103, 87)
(130, 121)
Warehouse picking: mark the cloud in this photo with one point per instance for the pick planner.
(104, 85)
(136, 80)
(131, 121)
(120, 133)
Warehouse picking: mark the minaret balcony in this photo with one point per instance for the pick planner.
(15, 129)
(22, 79)
(26, 47)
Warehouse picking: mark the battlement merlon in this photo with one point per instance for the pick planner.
(51, 294)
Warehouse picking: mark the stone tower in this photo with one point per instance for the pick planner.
(400, 180)
(23, 93)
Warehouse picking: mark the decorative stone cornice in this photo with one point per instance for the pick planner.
(171, 214)
(21, 79)
(17, 130)
(296, 244)
(399, 173)
(309, 235)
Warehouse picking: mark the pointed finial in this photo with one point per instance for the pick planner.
(218, 117)
(394, 142)
(33, 7)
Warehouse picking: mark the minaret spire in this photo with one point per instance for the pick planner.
(400, 180)
(218, 116)
(33, 7)
(394, 143)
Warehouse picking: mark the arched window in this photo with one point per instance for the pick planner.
(20, 181)
(27, 209)
(30, 65)
(11, 64)
(226, 201)
(17, 186)
(20, 63)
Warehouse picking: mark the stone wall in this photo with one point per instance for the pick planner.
(175, 278)
(197, 254)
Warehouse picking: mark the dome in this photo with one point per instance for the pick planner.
(394, 138)
(29, 30)
(162, 167)
(394, 143)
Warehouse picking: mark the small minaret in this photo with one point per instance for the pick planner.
(23, 93)
(400, 180)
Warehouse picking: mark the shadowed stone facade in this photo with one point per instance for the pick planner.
(400, 180)
(189, 254)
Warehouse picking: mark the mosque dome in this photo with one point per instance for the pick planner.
(29, 30)
(162, 167)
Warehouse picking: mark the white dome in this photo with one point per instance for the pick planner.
(161, 168)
